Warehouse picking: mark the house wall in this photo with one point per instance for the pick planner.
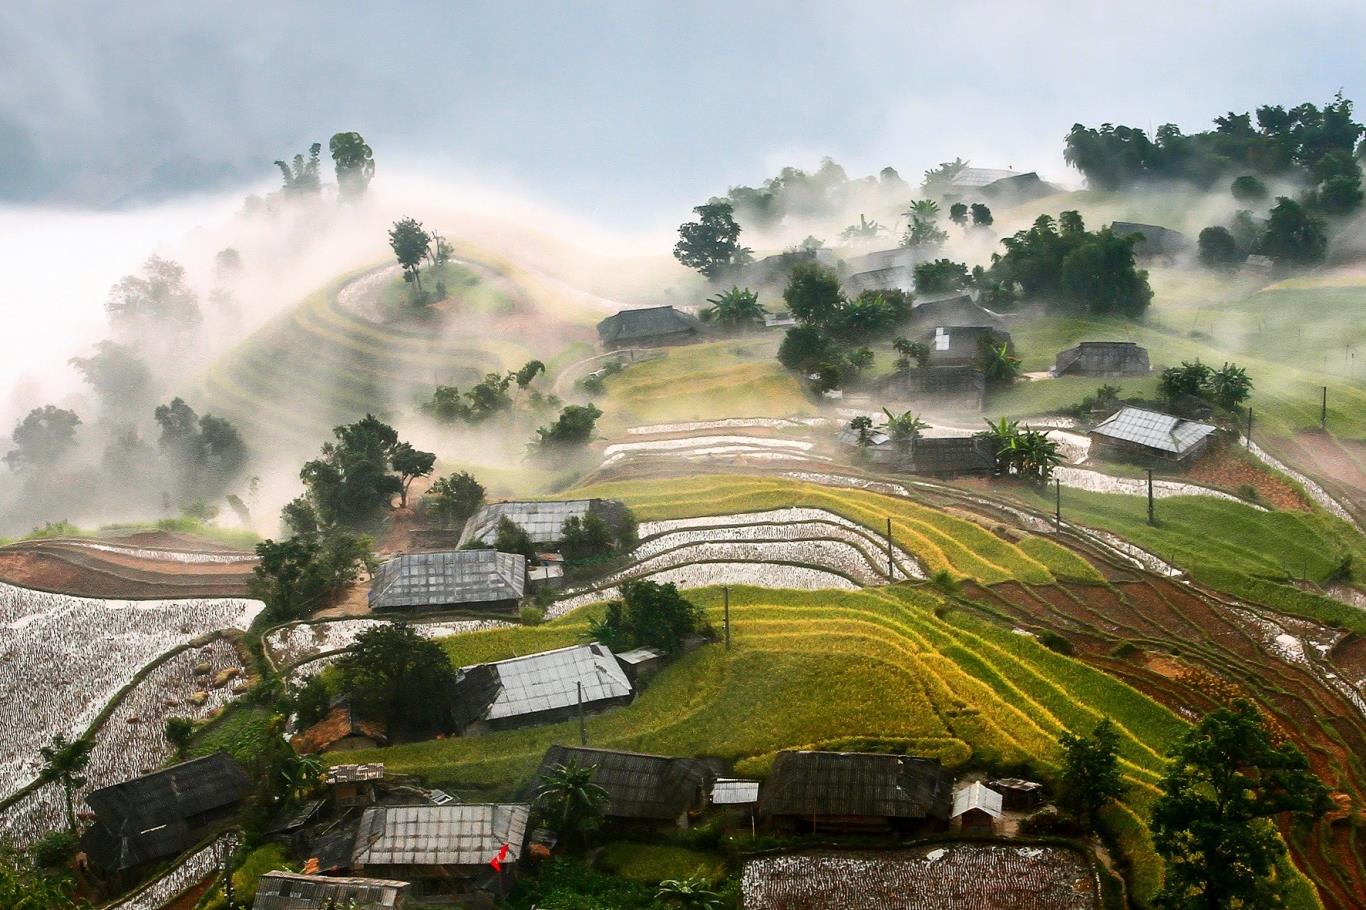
(1121, 450)
(653, 341)
(508, 606)
(569, 712)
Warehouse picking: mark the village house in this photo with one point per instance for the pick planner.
(1149, 437)
(290, 891)
(856, 791)
(648, 327)
(540, 688)
(950, 389)
(976, 809)
(1102, 358)
(162, 814)
(962, 345)
(1018, 795)
(643, 790)
(440, 849)
(640, 664)
(737, 796)
(341, 730)
(483, 580)
(892, 278)
(354, 785)
(1154, 241)
(543, 521)
(950, 456)
(952, 310)
(1002, 187)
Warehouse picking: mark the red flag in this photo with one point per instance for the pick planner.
(497, 861)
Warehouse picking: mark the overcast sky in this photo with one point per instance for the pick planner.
(623, 110)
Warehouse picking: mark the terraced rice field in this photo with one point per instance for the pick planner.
(143, 565)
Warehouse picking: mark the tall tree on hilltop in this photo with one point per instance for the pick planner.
(302, 178)
(711, 244)
(355, 164)
(1090, 772)
(410, 244)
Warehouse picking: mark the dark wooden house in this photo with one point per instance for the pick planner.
(162, 814)
(1017, 794)
(951, 456)
(955, 310)
(856, 791)
(946, 389)
(1149, 437)
(1103, 358)
(648, 327)
(650, 790)
(291, 891)
(1152, 240)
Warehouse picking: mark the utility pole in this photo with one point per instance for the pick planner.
(1248, 439)
(1323, 412)
(891, 567)
(1151, 519)
(725, 591)
(1057, 514)
(583, 728)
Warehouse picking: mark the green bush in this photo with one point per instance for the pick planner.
(1055, 642)
(54, 849)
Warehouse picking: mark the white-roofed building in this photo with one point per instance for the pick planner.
(440, 849)
(1150, 437)
(976, 807)
(734, 791)
(450, 579)
(542, 520)
(540, 688)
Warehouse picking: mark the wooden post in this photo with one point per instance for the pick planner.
(891, 566)
(725, 591)
(1323, 412)
(1249, 427)
(1151, 519)
(1057, 514)
(583, 728)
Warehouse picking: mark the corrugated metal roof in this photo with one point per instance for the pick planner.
(849, 436)
(349, 774)
(729, 791)
(447, 578)
(856, 784)
(450, 835)
(289, 891)
(977, 795)
(542, 521)
(551, 679)
(639, 655)
(656, 787)
(1155, 430)
(981, 176)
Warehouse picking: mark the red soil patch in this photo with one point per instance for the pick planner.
(1228, 468)
(69, 568)
(1335, 463)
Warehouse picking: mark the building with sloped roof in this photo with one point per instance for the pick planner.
(953, 310)
(447, 579)
(823, 791)
(162, 814)
(891, 278)
(1149, 437)
(735, 791)
(977, 177)
(961, 345)
(946, 389)
(1152, 240)
(540, 688)
(543, 520)
(976, 808)
(340, 730)
(951, 456)
(281, 890)
(648, 327)
(643, 789)
(440, 849)
(1103, 358)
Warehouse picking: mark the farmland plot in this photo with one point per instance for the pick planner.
(952, 877)
(195, 683)
(62, 659)
(289, 644)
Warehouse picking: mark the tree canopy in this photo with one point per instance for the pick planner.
(711, 244)
(355, 479)
(574, 427)
(648, 615)
(355, 164)
(1090, 772)
(42, 438)
(393, 673)
(158, 297)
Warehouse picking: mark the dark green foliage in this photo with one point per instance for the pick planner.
(1055, 642)
(207, 452)
(574, 427)
(981, 215)
(796, 192)
(513, 538)
(26, 886)
(395, 674)
(1248, 188)
(1187, 379)
(304, 573)
(863, 426)
(311, 699)
(355, 164)
(569, 801)
(410, 464)
(455, 498)
(353, 483)
(115, 372)
(1215, 823)
(158, 299)
(813, 295)
(489, 396)
(1293, 236)
(958, 213)
(587, 537)
(529, 371)
(1025, 453)
(1218, 249)
(940, 276)
(910, 354)
(1084, 271)
(42, 438)
(567, 884)
(804, 347)
(1090, 772)
(301, 178)
(64, 763)
(179, 730)
(54, 850)
(1228, 387)
(648, 615)
(734, 310)
(711, 245)
(999, 366)
(410, 243)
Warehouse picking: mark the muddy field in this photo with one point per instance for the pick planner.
(951, 877)
(144, 565)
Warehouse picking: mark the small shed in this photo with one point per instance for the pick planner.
(342, 730)
(440, 849)
(951, 456)
(1149, 437)
(467, 579)
(976, 808)
(642, 663)
(735, 793)
(648, 327)
(650, 790)
(354, 785)
(1103, 358)
(542, 520)
(856, 791)
(1018, 795)
(291, 891)
(1153, 239)
(961, 345)
(540, 688)
(161, 814)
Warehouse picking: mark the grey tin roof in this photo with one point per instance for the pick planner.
(646, 323)
(550, 680)
(542, 521)
(638, 786)
(450, 835)
(977, 795)
(640, 655)
(448, 577)
(856, 784)
(290, 891)
(728, 791)
(1153, 429)
(981, 176)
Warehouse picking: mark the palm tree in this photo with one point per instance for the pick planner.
(734, 309)
(64, 763)
(904, 428)
(691, 893)
(570, 800)
(865, 229)
(1229, 385)
(1036, 456)
(926, 209)
(1004, 437)
(861, 425)
(998, 364)
(302, 775)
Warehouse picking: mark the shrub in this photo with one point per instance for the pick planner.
(1247, 491)
(1124, 650)
(54, 849)
(531, 616)
(1055, 642)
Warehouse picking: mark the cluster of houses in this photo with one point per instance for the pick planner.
(377, 840)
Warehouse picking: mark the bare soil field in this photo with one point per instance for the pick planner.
(1336, 464)
(949, 877)
(153, 565)
(1227, 469)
